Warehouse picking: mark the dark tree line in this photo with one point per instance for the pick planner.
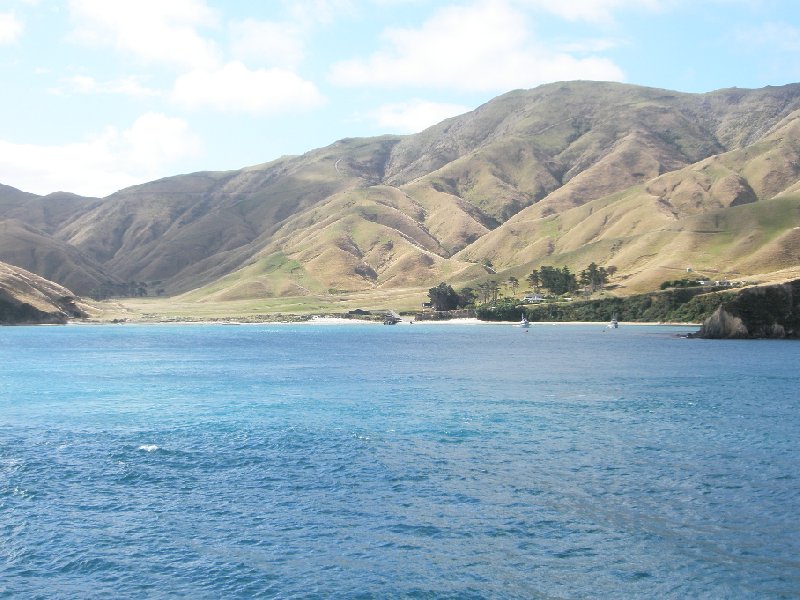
(444, 297)
(128, 289)
(594, 277)
(556, 280)
(562, 281)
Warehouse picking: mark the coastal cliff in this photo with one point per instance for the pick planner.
(760, 312)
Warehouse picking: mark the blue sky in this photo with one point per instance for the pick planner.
(101, 94)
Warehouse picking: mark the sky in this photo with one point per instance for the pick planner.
(97, 95)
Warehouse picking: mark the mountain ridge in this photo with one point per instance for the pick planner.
(518, 182)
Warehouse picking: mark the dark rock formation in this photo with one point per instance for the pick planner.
(27, 299)
(15, 312)
(760, 312)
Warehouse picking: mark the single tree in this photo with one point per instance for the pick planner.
(513, 283)
(443, 297)
(534, 280)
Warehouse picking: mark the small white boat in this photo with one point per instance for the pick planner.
(613, 324)
(523, 322)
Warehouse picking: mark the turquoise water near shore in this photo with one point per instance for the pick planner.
(463, 461)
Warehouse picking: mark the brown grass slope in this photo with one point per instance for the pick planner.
(36, 251)
(359, 240)
(46, 213)
(568, 143)
(521, 147)
(734, 214)
(191, 229)
(27, 226)
(565, 171)
(553, 148)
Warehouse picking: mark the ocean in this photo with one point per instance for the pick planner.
(424, 461)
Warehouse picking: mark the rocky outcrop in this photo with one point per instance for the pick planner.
(760, 312)
(722, 325)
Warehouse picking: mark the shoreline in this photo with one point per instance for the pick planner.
(329, 320)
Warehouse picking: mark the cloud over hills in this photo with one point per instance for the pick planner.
(478, 47)
(254, 81)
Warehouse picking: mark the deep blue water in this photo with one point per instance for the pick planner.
(418, 461)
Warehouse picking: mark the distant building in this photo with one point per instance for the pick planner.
(533, 298)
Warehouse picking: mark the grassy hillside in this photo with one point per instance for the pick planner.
(34, 250)
(733, 215)
(648, 180)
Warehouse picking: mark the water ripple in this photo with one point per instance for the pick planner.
(374, 462)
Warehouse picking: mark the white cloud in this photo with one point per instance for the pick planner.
(415, 115)
(485, 46)
(10, 28)
(267, 42)
(283, 43)
(151, 30)
(399, 2)
(307, 13)
(155, 139)
(235, 88)
(126, 86)
(103, 163)
(590, 46)
(594, 11)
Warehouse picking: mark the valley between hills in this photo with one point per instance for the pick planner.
(651, 182)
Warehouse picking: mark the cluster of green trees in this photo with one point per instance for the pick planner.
(679, 283)
(556, 281)
(685, 305)
(594, 277)
(563, 281)
(444, 297)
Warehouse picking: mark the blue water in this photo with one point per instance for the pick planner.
(417, 461)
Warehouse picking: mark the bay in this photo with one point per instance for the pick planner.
(301, 461)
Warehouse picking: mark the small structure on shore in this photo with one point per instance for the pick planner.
(391, 318)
